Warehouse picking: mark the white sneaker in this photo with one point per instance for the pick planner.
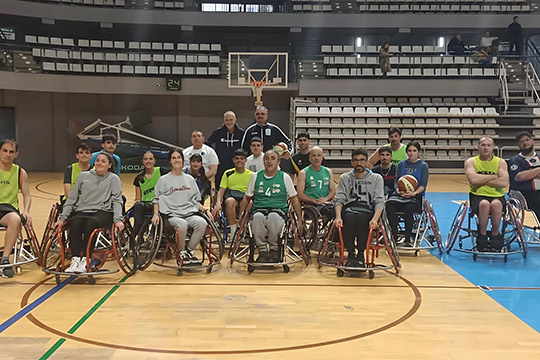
(74, 265)
(82, 266)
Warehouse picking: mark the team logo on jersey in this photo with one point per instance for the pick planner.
(514, 167)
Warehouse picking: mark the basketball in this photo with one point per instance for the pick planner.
(280, 148)
(407, 183)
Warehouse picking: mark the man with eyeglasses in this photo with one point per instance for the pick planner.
(359, 205)
(269, 134)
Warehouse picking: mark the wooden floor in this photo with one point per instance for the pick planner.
(429, 312)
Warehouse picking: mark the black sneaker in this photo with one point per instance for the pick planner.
(263, 257)
(273, 256)
(186, 259)
(482, 243)
(192, 258)
(360, 261)
(406, 244)
(497, 242)
(7, 271)
(351, 261)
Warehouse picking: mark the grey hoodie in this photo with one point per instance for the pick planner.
(368, 190)
(177, 195)
(92, 192)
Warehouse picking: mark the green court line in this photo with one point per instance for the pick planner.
(82, 320)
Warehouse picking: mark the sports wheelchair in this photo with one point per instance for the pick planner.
(332, 252)
(317, 221)
(26, 249)
(512, 231)
(519, 203)
(159, 245)
(104, 244)
(427, 234)
(292, 246)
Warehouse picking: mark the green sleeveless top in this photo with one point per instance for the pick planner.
(147, 186)
(270, 193)
(10, 183)
(399, 155)
(75, 171)
(490, 167)
(317, 182)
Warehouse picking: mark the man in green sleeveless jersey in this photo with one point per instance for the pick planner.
(270, 188)
(12, 178)
(398, 149)
(315, 183)
(234, 183)
(488, 178)
(83, 156)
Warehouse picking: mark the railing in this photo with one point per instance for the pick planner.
(504, 85)
(532, 80)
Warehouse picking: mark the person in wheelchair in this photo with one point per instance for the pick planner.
(197, 171)
(177, 198)
(234, 183)
(72, 171)
(359, 205)
(409, 202)
(524, 170)
(386, 169)
(270, 188)
(94, 202)
(144, 183)
(12, 179)
(488, 177)
(315, 184)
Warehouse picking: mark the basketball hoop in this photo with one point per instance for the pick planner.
(257, 88)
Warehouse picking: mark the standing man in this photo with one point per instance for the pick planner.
(386, 169)
(488, 179)
(398, 149)
(300, 160)
(515, 37)
(359, 205)
(12, 179)
(72, 171)
(225, 140)
(108, 145)
(524, 169)
(255, 161)
(270, 190)
(269, 134)
(232, 188)
(210, 159)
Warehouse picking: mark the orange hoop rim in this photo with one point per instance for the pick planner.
(258, 84)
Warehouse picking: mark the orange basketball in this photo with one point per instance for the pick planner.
(407, 183)
(280, 148)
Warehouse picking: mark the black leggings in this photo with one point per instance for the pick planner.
(356, 227)
(140, 210)
(407, 209)
(81, 225)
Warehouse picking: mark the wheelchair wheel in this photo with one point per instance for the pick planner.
(29, 239)
(390, 242)
(434, 226)
(49, 227)
(212, 242)
(240, 238)
(311, 224)
(122, 243)
(299, 240)
(53, 252)
(517, 226)
(331, 252)
(147, 244)
(457, 223)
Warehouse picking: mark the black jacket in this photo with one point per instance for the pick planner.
(225, 143)
(270, 134)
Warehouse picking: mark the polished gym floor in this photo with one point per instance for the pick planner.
(448, 307)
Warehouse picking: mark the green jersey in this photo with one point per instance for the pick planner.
(317, 182)
(398, 155)
(147, 185)
(270, 193)
(10, 183)
(490, 167)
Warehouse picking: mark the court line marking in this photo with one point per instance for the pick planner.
(414, 308)
(82, 320)
(28, 308)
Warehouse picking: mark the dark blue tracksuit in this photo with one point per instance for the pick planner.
(225, 143)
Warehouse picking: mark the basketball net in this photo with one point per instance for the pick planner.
(257, 88)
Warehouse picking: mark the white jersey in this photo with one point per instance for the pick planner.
(255, 164)
(208, 154)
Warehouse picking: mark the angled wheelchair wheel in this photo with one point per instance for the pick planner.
(300, 241)
(49, 226)
(390, 242)
(212, 242)
(123, 246)
(517, 228)
(434, 226)
(241, 239)
(457, 223)
(54, 252)
(30, 240)
(147, 244)
(332, 250)
(311, 224)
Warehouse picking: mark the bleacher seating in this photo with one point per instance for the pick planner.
(125, 57)
(128, 4)
(447, 128)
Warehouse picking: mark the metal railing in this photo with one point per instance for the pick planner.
(532, 81)
(504, 85)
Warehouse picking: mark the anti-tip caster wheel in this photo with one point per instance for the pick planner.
(286, 268)
(251, 268)
(179, 272)
(371, 274)
(340, 273)
(91, 280)
(18, 270)
(417, 253)
(57, 279)
(505, 258)
(209, 269)
(474, 257)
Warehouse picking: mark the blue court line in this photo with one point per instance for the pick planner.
(28, 308)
